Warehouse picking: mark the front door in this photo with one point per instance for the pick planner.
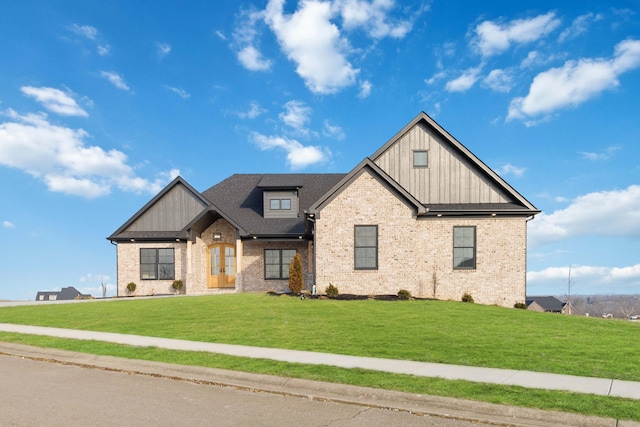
(222, 266)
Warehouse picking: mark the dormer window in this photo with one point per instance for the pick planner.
(280, 204)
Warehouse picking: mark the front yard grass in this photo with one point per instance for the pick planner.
(433, 331)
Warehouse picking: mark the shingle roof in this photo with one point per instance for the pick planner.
(547, 303)
(240, 197)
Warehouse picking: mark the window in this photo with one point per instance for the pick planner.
(420, 159)
(157, 264)
(280, 204)
(366, 247)
(464, 247)
(276, 263)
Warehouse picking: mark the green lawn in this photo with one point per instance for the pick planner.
(434, 331)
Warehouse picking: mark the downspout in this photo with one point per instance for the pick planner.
(117, 270)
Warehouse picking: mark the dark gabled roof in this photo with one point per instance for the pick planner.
(120, 234)
(464, 151)
(284, 181)
(547, 303)
(240, 198)
(377, 172)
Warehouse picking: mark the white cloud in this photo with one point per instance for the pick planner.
(55, 100)
(296, 116)
(313, 42)
(252, 59)
(8, 224)
(333, 131)
(579, 26)
(606, 213)
(244, 42)
(163, 49)
(509, 169)
(298, 156)
(58, 156)
(180, 92)
(494, 38)
(221, 35)
(464, 82)
(115, 80)
(499, 80)
(91, 33)
(605, 155)
(85, 31)
(365, 89)
(254, 111)
(373, 17)
(587, 279)
(575, 82)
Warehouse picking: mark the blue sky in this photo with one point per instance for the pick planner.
(103, 103)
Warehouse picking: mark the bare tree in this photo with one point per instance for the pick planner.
(628, 305)
(103, 288)
(570, 288)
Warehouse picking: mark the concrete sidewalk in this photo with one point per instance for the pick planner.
(597, 386)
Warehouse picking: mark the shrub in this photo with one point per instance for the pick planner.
(466, 297)
(296, 281)
(177, 285)
(520, 305)
(131, 287)
(331, 291)
(404, 294)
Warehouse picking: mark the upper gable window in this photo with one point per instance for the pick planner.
(420, 159)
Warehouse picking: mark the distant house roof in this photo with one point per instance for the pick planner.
(65, 294)
(550, 304)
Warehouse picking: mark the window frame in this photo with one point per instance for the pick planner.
(280, 204)
(283, 267)
(426, 160)
(356, 264)
(157, 269)
(464, 246)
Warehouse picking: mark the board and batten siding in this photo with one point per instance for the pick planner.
(171, 213)
(448, 178)
(281, 213)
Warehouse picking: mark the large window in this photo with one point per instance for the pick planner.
(280, 204)
(366, 247)
(464, 247)
(276, 263)
(157, 264)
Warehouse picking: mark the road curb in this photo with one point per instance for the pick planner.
(317, 390)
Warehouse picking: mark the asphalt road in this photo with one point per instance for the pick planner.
(40, 393)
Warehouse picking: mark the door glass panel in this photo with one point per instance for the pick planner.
(215, 261)
(230, 261)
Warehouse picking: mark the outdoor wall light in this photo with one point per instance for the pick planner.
(217, 236)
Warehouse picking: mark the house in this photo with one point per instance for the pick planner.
(65, 294)
(422, 213)
(546, 304)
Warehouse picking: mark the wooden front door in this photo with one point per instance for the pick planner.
(222, 266)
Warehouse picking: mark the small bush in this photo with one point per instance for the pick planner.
(331, 291)
(520, 305)
(177, 285)
(404, 294)
(131, 287)
(466, 297)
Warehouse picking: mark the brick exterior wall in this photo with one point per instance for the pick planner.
(417, 254)
(191, 264)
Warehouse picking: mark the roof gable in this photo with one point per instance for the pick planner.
(454, 175)
(165, 215)
(367, 166)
